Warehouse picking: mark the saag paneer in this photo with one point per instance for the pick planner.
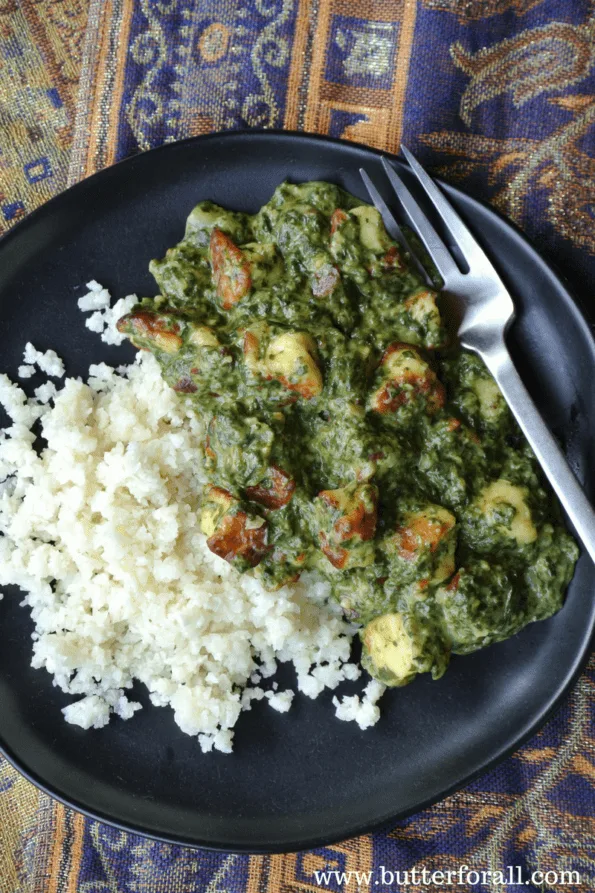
(348, 433)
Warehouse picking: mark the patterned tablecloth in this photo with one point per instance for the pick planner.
(497, 95)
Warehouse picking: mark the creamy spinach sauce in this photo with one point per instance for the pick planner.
(348, 433)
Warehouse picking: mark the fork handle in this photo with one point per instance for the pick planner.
(544, 445)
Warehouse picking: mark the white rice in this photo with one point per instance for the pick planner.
(104, 319)
(364, 711)
(49, 362)
(46, 392)
(97, 298)
(101, 531)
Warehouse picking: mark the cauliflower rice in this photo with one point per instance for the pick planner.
(100, 530)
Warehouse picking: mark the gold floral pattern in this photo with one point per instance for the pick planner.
(537, 62)
(481, 9)
(516, 167)
(40, 57)
(542, 60)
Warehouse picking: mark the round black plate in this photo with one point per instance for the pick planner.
(306, 778)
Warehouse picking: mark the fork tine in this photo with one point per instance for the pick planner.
(434, 244)
(391, 224)
(470, 248)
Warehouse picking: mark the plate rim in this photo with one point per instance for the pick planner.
(574, 303)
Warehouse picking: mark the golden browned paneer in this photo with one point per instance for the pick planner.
(424, 310)
(149, 329)
(403, 377)
(425, 540)
(347, 518)
(233, 534)
(292, 359)
(231, 270)
(274, 490)
(423, 529)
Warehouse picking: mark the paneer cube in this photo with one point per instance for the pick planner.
(233, 534)
(207, 216)
(492, 405)
(274, 490)
(422, 550)
(203, 336)
(231, 269)
(396, 647)
(359, 236)
(405, 377)
(504, 506)
(347, 524)
(390, 650)
(371, 229)
(424, 311)
(292, 359)
(218, 503)
(151, 330)
(423, 529)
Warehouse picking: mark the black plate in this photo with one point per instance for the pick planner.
(304, 779)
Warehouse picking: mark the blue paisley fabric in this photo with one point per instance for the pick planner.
(497, 96)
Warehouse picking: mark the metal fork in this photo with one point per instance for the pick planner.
(485, 310)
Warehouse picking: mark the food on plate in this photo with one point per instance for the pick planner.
(299, 454)
(347, 434)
